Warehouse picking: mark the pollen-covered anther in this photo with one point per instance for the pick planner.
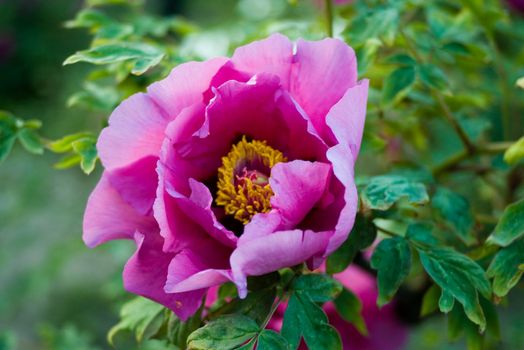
(243, 179)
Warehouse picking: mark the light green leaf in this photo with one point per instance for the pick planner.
(383, 191)
(392, 260)
(86, 149)
(349, 307)
(520, 82)
(6, 145)
(430, 301)
(95, 97)
(225, 332)
(362, 235)
(515, 152)
(504, 269)
(68, 161)
(456, 212)
(510, 226)
(31, 142)
(140, 315)
(271, 340)
(65, 144)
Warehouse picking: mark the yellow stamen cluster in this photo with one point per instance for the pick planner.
(243, 188)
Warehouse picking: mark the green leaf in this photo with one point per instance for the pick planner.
(304, 318)
(504, 269)
(86, 149)
(318, 287)
(361, 236)
(456, 212)
(95, 97)
(384, 191)
(65, 144)
(178, 331)
(89, 18)
(433, 76)
(392, 260)
(510, 226)
(458, 323)
(30, 140)
(6, 145)
(68, 161)
(144, 56)
(271, 340)
(401, 59)
(520, 82)
(140, 315)
(397, 84)
(515, 152)
(225, 332)
(458, 276)
(349, 307)
(446, 302)
(430, 301)
(256, 305)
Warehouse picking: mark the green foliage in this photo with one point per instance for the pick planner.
(515, 153)
(361, 236)
(511, 225)
(392, 260)
(12, 129)
(507, 268)
(383, 191)
(349, 308)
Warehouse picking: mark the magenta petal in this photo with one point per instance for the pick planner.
(137, 183)
(202, 279)
(136, 130)
(273, 252)
(185, 85)
(346, 118)
(108, 216)
(297, 187)
(145, 274)
(272, 55)
(322, 73)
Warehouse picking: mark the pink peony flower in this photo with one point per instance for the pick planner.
(232, 168)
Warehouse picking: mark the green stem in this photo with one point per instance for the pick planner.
(328, 10)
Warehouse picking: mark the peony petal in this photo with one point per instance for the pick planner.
(185, 85)
(145, 274)
(346, 118)
(136, 183)
(109, 217)
(273, 252)
(322, 72)
(136, 130)
(297, 187)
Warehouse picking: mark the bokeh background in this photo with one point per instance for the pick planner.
(54, 292)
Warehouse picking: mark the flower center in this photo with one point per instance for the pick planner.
(243, 179)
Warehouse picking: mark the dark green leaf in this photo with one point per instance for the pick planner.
(392, 260)
(383, 191)
(178, 331)
(361, 236)
(6, 145)
(456, 212)
(140, 315)
(225, 332)
(397, 84)
(511, 225)
(318, 287)
(433, 77)
(349, 307)
(401, 59)
(271, 340)
(505, 268)
(305, 318)
(30, 140)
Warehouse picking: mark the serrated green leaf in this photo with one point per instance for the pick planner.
(141, 316)
(392, 260)
(385, 190)
(362, 235)
(433, 76)
(510, 226)
(456, 212)
(225, 332)
(31, 142)
(349, 307)
(397, 84)
(515, 152)
(304, 318)
(271, 340)
(458, 276)
(504, 269)
(318, 287)
(430, 301)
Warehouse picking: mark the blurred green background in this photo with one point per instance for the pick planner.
(54, 292)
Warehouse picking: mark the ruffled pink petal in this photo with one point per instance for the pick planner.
(185, 85)
(346, 118)
(145, 274)
(136, 130)
(297, 187)
(273, 252)
(136, 183)
(109, 217)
